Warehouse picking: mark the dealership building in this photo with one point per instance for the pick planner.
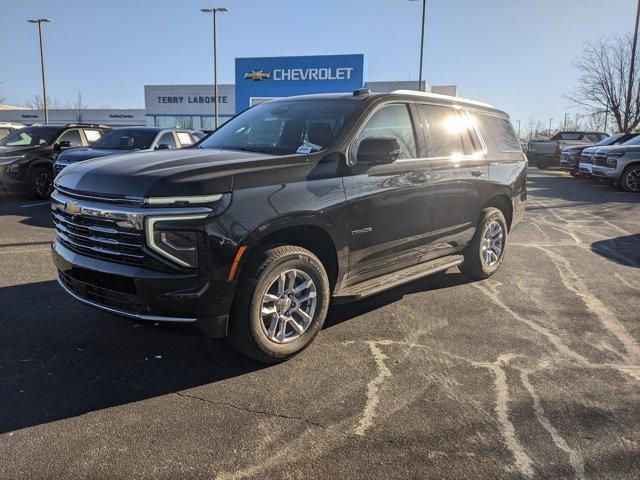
(256, 80)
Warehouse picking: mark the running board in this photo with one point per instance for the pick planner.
(393, 279)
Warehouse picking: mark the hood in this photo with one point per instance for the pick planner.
(574, 149)
(624, 148)
(167, 173)
(13, 151)
(83, 153)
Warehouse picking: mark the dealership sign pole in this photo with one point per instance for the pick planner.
(39, 21)
(215, 60)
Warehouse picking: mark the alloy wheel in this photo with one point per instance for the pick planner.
(288, 306)
(492, 243)
(43, 184)
(632, 179)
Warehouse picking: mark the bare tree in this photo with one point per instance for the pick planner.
(78, 106)
(603, 81)
(534, 129)
(35, 103)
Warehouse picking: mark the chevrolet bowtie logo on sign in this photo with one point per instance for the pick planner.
(257, 75)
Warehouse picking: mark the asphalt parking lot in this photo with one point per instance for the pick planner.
(534, 373)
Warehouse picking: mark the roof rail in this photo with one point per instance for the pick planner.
(94, 125)
(442, 97)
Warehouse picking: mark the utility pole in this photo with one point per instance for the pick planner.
(550, 118)
(518, 130)
(564, 126)
(633, 64)
(424, 12)
(215, 60)
(40, 21)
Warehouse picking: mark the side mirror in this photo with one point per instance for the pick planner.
(378, 150)
(62, 145)
(162, 146)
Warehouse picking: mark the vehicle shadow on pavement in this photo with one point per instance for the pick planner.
(60, 359)
(624, 250)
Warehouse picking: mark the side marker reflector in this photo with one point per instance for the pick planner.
(236, 262)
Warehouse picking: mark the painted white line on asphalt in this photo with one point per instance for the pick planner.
(35, 204)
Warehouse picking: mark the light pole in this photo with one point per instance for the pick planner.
(40, 21)
(518, 130)
(564, 126)
(550, 118)
(424, 11)
(633, 61)
(215, 60)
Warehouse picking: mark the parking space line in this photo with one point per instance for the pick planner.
(35, 204)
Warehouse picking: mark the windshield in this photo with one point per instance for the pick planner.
(126, 139)
(616, 138)
(634, 141)
(567, 136)
(30, 137)
(281, 128)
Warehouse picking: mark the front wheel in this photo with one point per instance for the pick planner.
(630, 179)
(483, 256)
(41, 182)
(281, 303)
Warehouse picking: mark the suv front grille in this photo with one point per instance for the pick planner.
(585, 158)
(600, 160)
(99, 237)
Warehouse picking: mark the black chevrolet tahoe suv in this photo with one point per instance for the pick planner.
(27, 155)
(290, 205)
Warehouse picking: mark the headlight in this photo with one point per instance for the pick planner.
(194, 200)
(179, 246)
(612, 162)
(12, 163)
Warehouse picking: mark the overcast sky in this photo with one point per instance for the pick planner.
(515, 54)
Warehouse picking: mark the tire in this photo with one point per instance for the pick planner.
(40, 183)
(475, 265)
(541, 165)
(575, 174)
(248, 329)
(630, 179)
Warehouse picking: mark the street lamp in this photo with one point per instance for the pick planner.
(215, 59)
(424, 10)
(40, 21)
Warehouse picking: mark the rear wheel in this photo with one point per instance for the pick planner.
(281, 303)
(541, 164)
(41, 182)
(630, 179)
(483, 256)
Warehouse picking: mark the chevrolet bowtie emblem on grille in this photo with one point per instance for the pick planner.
(72, 208)
(257, 75)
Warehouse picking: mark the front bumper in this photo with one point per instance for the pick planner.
(585, 168)
(604, 172)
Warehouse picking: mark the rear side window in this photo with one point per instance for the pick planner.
(443, 127)
(184, 138)
(92, 135)
(502, 132)
(392, 121)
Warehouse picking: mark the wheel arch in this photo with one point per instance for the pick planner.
(307, 231)
(503, 203)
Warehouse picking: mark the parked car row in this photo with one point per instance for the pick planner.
(31, 157)
(546, 153)
(615, 160)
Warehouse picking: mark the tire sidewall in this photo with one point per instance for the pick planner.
(494, 215)
(311, 267)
